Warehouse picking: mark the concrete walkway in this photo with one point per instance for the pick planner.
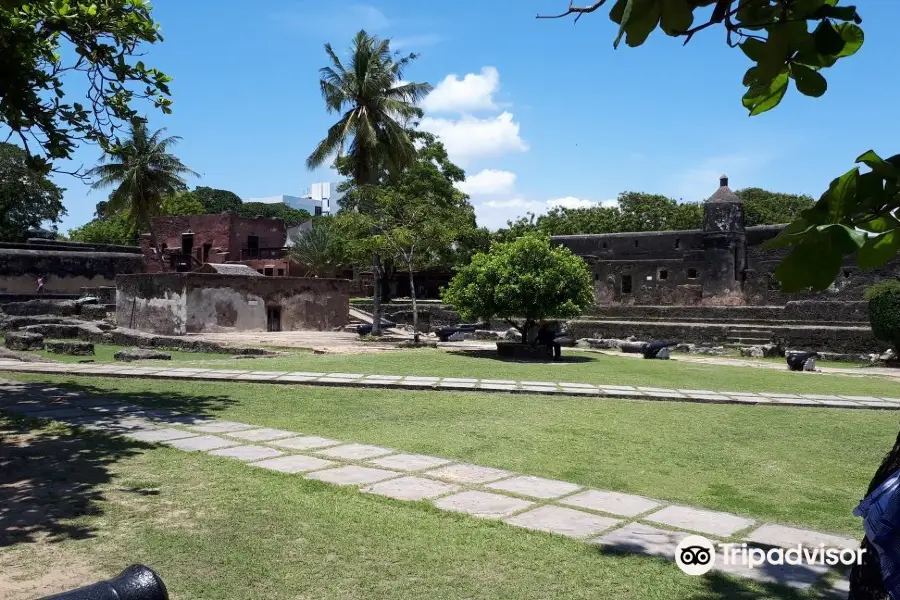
(616, 521)
(455, 383)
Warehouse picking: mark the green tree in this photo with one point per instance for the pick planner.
(415, 215)
(884, 311)
(762, 207)
(83, 43)
(27, 197)
(291, 216)
(182, 203)
(522, 282)
(320, 249)
(789, 42)
(115, 229)
(217, 201)
(653, 212)
(375, 105)
(142, 171)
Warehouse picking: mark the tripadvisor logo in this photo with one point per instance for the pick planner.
(696, 555)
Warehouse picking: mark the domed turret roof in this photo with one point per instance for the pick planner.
(724, 193)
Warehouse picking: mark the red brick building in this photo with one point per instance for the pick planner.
(183, 243)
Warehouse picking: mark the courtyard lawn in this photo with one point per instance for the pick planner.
(216, 529)
(800, 466)
(576, 367)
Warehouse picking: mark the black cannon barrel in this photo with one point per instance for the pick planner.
(137, 582)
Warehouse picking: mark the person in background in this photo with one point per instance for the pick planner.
(547, 337)
(40, 284)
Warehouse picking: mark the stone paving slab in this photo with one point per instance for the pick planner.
(466, 384)
(465, 473)
(411, 488)
(787, 537)
(247, 453)
(563, 521)
(294, 464)
(535, 487)
(642, 539)
(200, 443)
(410, 462)
(614, 503)
(352, 475)
(483, 504)
(160, 435)
(703, 521)
(795, 576)
(305, 442)
(220, 427)
(261, 435)
(354, 451)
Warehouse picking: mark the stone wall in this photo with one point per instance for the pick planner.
(64, 271)
(178, 303)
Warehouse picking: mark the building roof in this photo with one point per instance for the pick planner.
(724, 193)
(228, 269)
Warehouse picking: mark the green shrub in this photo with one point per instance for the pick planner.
(884, 311)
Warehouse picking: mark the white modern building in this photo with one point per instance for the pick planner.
(321, 199)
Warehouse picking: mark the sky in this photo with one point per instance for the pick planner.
(540, 113)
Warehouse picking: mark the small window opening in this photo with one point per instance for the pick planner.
(846, 273)
(281, 272)
(692, 274)
(596, 276)
(268, 272)
(663, 274)
(635, 243)
(604, 244)
(626, 284)
(677, 243)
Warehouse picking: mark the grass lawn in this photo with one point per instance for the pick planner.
(219, 530)
(801, 466)
(578, 367)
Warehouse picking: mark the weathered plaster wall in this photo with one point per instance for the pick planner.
(64, 271)
(153, 303)
(194, 302)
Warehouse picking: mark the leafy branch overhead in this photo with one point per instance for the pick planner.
(57, 40)
(789, 40)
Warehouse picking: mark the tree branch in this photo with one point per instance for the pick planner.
(575, 10)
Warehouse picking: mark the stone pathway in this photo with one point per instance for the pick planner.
(456, 383)
(616, 521)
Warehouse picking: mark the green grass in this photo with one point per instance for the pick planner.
(219, 530)
(578, 367)
(800, 466)
(104, 353)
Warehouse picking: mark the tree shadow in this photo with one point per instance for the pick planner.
(490, 354)
(53, 473)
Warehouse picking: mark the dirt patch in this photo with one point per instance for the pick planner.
(42, 569)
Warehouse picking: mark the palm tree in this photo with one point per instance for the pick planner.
(376, 106)
(142, 171)
(314, 249)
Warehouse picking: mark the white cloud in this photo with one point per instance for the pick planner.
(470, 137)
(474, 92)
(489, 182)
(573, 202)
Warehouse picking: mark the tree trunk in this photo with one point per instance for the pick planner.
(376, 294)
(412, 294)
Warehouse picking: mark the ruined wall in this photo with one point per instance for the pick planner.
(153, 303)
(271, 233)
(686, 258)
(64, 271)
(195, 302)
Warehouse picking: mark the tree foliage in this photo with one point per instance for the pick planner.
(320, 250)
(762, 207)
(884, 311)
(182, 203)
(142, 172)
(27, 197)
(523, 282)
(290, 216)
(217, 201)
(790, 41)
(48, 42)
(115, 229)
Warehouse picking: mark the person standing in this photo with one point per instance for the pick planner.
(40, 284)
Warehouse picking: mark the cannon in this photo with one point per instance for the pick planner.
(797, 361)
(137, 582)
(444, 333)
(657, 349)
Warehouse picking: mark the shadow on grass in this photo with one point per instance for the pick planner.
(51, 474)
(483, 353)
(718, 586)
